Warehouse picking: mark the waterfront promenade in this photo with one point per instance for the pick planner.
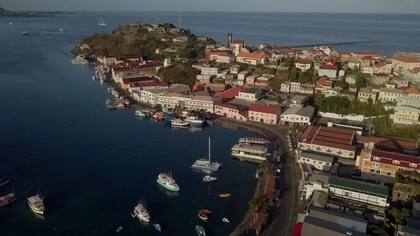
(285, 213)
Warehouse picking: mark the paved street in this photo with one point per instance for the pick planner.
(286, 214)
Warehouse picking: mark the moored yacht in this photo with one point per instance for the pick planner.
(179, 123)
(195, 121)
(209, 178)
(166, 181)
(206, 164)
(36, 203)
(200, 230)
(141, 213)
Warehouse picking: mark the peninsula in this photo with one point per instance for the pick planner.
(7, 13)
(352, 120)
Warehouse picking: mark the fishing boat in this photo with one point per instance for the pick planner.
(200, 230)
(7, 199)
(166, 181)
(140, 113)
(157, 227)
(224, 195)
(195, 121)
(36, 203)
(101, 22)
(179, 123)
(158, 116)
(204, 214)
(204, 164)
(209, 178)
(225, 220)
(141, 213)
(119, 229)
(4, 182)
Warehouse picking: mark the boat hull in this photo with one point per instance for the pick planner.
(167, 187)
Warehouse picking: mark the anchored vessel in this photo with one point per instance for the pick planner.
(206, 165)
(254, 153)
(200, 230)
(141, 213)
(179, 123)
(101, 22)
(195, 121)
(7, 199)
(36, 203)
(209, 178)
(166, 181)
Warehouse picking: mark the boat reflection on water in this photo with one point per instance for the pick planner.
(167, 192)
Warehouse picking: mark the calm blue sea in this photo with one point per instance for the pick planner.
(94, 165)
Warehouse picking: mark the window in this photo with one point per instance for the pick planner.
(396, 162)
(376, 158)
(413, 165)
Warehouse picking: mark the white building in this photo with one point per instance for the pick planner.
(149, 96)
(318, 161)
(263, 113)
(252, 94)
(209, 70)
(298, 115)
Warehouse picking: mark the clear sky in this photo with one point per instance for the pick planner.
(355, 6)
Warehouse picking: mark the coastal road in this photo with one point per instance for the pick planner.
(286, 214)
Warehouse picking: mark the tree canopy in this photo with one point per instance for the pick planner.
(179, 74)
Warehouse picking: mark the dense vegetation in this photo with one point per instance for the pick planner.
(179, 74)
(384, 127)
(133, 41)
(343, 106)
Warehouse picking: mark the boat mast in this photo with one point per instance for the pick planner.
(209, 150)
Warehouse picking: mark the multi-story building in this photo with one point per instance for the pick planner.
(242, 78)
(263, 113)
(406, 115)
(297, 115)
(329, 140)
(149, 96)
(251, 58)
(303, 64)
(285, 87)
(251, 94)
(382, 165)
(209, 70)
(401, 62)
(318, 161)
(328, 70)
(366, 94)
(231, 111)
(389, 94)
(358, 191)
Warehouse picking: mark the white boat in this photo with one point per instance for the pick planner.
(248, 152)
(79, 60)
(36, 203)
(209, 178)
(166, 181)
(10, 23)
(200, 230)
(101, 22)
(179, 123)
(140, 113)
(25, 33)
(225, 220)
(195, 121)
(206, 164)
(61, 30)
(119, 229)
(141, 213)
(157, 227)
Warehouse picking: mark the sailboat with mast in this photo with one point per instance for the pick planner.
(206, 164)
(101, 22)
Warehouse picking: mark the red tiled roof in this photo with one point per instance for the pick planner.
(252, 55)
(322, 80)
(237, 41)
(329, 137)
(262, 108)
(416, 70)
(407, 59)
(229, 93)
(329, 67)
(388, 158)
(303, 61)
(389, 142)
(148, 84)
